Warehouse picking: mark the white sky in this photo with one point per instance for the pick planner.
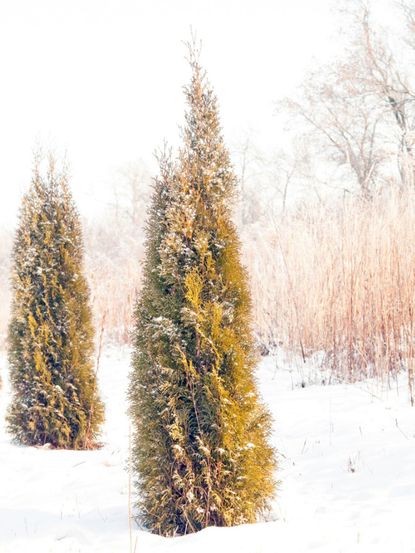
(102, 79)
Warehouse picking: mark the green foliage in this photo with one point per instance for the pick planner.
(200, 448)
(55, 397)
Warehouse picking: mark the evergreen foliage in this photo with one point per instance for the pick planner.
(55, 398)
(200, 448)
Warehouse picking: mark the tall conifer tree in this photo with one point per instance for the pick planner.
(55, 398)
(200, 448)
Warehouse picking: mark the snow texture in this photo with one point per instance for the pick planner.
(347, 458)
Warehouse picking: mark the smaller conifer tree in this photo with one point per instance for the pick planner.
(55, 398)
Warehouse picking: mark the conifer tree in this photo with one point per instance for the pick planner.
(55, 398)
(200, 450)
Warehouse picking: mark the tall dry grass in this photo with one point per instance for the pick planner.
(113, 262)
(340, 279)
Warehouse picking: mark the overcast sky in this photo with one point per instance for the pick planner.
(102, 79)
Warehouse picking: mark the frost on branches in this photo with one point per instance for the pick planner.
(200, 450)
(55, 397)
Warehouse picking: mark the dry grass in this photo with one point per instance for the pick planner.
(340, 279)
(337, 278)
(113, 261)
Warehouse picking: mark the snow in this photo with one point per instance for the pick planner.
(347, 460)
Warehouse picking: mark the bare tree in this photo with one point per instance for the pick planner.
(131, 192)
(266, 181)
(249, 166)
(343, 123)
(379, 73)
(360, 111)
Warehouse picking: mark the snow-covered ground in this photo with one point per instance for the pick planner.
(347, 471)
